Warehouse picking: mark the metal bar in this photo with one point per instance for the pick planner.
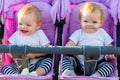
(58, 49)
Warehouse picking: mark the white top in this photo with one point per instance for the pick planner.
(37, 39)
(100, 38)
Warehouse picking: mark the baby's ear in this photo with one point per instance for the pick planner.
(38, 27)
(101, 23)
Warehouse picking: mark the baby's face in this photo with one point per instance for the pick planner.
(91, 22)
(27, 25)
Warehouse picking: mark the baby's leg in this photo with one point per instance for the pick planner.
(10, 69)
(104, 69)
(44, 67)
(41, 66)
(68, 66)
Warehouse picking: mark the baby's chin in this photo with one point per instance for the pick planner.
(90, 31)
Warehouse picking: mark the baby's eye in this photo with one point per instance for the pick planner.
(94, 21)
(85, 21)
(28, 25)
(19, 23)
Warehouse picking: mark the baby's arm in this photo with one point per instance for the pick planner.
(32, 56)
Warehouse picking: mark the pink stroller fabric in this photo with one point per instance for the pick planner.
(74, 24)
(11, 27)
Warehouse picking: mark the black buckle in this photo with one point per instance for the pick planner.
(60, 23)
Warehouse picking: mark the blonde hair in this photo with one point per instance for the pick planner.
(28, 9)
(90, 8)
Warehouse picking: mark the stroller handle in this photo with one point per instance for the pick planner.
(59, 49)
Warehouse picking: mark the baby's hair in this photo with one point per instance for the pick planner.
(90, 8)
(28, 9)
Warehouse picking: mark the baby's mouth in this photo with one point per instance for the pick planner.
(89, 27)
(24, 31)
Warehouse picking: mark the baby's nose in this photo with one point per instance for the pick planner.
(23, 26)
(89, 24)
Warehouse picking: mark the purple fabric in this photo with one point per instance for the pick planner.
(119, 10)
(6, 5)
(46, 1)
(65, 10)
(27, 77)
(55, 11)
(60, 10)
(87, 78)
(1, 6)
(111, 4)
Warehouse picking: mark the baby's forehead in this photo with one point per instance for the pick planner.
(90, 18)
(24, 16)
(86, 12)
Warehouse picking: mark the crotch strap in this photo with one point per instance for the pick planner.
(91, 54)
(21, 58)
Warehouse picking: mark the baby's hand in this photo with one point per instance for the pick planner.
(70, 43)
(30, 56)
(110, 57)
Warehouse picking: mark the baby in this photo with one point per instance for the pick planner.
(29, 33)
(91, 17)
